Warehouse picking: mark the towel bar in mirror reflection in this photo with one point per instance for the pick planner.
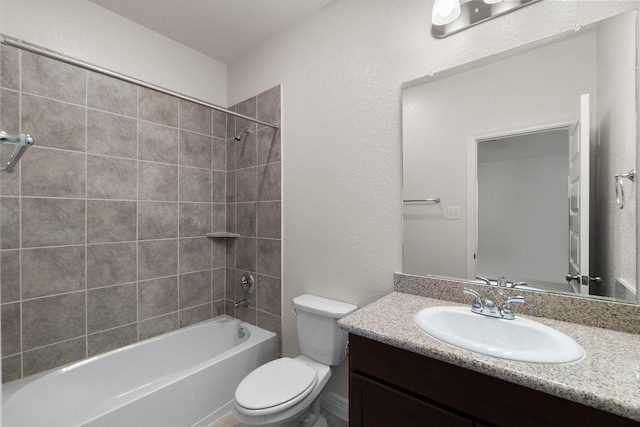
(435, 200)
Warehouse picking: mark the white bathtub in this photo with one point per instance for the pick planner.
(183, 378)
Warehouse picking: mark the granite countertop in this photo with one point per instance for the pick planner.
(606, 377)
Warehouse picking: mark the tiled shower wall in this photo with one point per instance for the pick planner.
(103, 224)
(253, 211)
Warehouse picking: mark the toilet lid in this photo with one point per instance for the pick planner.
(282, 382)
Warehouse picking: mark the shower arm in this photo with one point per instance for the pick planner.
(239, 136)
(22, 141)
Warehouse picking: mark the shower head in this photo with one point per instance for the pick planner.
(239, 136)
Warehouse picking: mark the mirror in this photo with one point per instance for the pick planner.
(515, 166)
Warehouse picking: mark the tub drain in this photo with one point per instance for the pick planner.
(240, 332)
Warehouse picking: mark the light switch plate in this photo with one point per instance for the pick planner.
(454, 212)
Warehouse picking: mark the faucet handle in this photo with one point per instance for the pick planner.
(506, 306)
(477, 304)
(484, 279)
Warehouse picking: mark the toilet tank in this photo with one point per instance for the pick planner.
(318, 333)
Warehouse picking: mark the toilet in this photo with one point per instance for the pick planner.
(285, 392)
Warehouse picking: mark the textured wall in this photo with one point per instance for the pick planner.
(341, 71)
(615, 245)
(84, 30)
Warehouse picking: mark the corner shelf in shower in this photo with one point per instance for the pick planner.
(223, 234)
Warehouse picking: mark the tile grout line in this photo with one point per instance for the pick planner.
(211, 222)
(235, 207)
(20, 220)
(137, 212)
(257, 196)
(86, 212)
(226, 210)
(179, 202)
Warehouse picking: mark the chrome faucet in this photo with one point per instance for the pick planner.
(488, 307)
(241, 303)
(247, 286)
(502, 282)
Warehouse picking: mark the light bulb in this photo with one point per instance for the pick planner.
(445, 11)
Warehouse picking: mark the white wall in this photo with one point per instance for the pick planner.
(616, 149)
(83, 30)
(341, 71)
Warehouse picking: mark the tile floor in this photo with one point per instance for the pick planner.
(227, 420)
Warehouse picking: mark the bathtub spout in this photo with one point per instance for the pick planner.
(241, 303)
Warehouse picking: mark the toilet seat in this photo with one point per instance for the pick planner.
(256, 394)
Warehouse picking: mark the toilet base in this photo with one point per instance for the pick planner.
(314, 418)
(310, 418)
(321, 422)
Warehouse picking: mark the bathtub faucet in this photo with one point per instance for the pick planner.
(241, 303)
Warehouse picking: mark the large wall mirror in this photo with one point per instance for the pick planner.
(520, 169)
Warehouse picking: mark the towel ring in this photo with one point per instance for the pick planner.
(631, 176)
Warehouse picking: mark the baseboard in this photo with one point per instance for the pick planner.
(335, 404)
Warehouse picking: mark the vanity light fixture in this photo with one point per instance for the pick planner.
(452, 16)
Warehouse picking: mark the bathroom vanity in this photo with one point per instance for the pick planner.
(390, 385)
(401, 376)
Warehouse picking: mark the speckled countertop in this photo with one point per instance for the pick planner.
(605, 378)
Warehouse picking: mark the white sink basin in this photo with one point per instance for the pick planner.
(519, 339)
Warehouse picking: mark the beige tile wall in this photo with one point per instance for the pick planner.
(103, 225)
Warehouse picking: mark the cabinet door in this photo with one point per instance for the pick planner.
(373, 404)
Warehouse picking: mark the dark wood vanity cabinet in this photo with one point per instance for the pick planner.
(392, 387)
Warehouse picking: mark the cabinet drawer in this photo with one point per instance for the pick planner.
(373, 404)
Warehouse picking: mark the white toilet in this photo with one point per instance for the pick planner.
(285, 392)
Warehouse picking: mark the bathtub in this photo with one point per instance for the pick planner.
(183, 378)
